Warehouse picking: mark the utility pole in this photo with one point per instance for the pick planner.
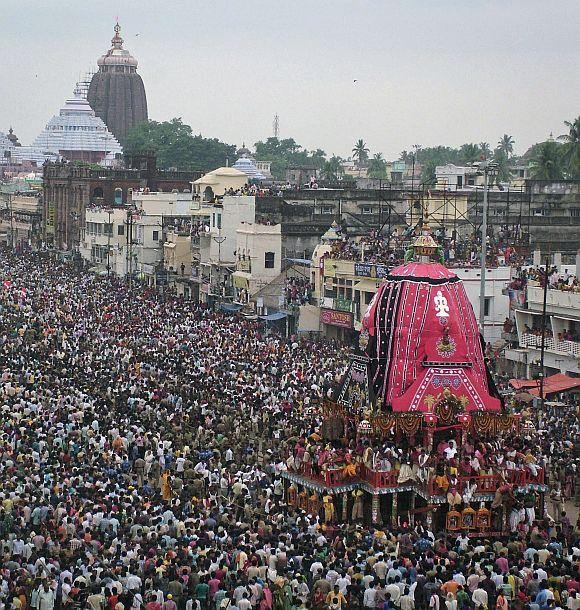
(109, 232)
(543, 343)
(129, 245)
(219, 241)
(12, 244)
(483, 256)
(488, 169)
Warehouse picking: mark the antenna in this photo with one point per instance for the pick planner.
(276, 126)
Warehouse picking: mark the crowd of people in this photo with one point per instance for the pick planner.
(141, 443)
(297, 290)
(558, 279)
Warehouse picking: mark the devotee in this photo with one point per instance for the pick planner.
(142, 442)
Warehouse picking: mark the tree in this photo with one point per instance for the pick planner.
(332, 169)
(506, 144)
(546, 161)
(571, 149)
(360, 152)
(377, 167)
(503, 166)
(285, 153)
(406, 156)
(485, 149)
(469, 153)
(428, 176)
(176, 146)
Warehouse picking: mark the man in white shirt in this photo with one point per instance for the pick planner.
(479, 598)
(369, 596)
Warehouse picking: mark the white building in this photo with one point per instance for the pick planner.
(562, 340)
(217, 244)
(259, 259)
(497, 304)
(456, 177)
(132, 240)
(103, 242)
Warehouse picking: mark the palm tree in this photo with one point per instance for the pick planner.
(503, 167)
(360, 152)
(546, 162)
(406, 156)
(485, 149)
(571, 149)
(377, 167)
(469, 153)
(506, 144)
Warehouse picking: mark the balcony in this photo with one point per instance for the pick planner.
(567, 348)
(564, 300)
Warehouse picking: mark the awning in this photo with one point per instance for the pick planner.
(552, 385)
(367, 285)
(272, 317)
(300, 261)
(169, 244)
(230, 307)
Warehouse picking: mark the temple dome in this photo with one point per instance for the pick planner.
(248, 167)
(116, 92)
(76, 129)
(117, 55)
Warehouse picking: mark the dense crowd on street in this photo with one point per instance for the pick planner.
(141, 443)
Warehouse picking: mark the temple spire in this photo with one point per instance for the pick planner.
(424, 246)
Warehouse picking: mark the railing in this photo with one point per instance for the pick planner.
(379, 478)
(389, 479)
(490, 483)
(328, 476)
(551, 344)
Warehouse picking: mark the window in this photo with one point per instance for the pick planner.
(459, 181)
(219, 220)
(108, 229)
(269, 260)
(327, 209)
(121, 230)
(118, 196)
(367, 209)
(575, 212)
(155, 235)
(486, 306)
(541, 211)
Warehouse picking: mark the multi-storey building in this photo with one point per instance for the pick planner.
(70, 189)
(561, 336)
(20, 219)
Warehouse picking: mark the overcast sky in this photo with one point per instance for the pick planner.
(427, 72)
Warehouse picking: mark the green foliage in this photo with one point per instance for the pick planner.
(285, 153)
(377, 167)
(176, 146)
(360, 152)
(428, 177)
(571, 149)
(332, 169)
(506, 144)
(503, 163)
(546, 161)
(485, 149)
(470, 153)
